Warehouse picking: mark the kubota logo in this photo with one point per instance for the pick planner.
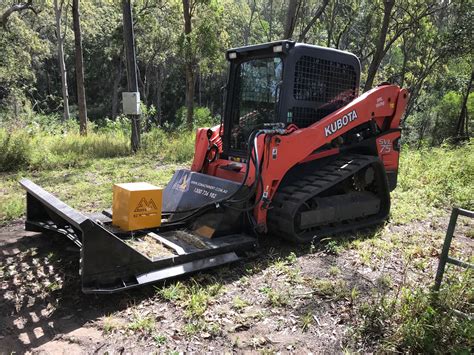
(339, 123)
(145, 206)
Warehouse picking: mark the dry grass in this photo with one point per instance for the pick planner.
(150, 247)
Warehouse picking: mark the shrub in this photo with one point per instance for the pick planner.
(201, 118)
(169, 147)
(15, 150)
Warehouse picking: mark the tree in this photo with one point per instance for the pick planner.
(189, 61)
(462, 127)
(380, 46)
(16, 8)
(316, 16)
(58, 10)
(81, 91)
(291, 17)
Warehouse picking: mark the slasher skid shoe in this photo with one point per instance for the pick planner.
(298, 155)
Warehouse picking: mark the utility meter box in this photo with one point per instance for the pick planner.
(131, 103)
(136, 205)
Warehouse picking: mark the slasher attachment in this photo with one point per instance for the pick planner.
(113, 260)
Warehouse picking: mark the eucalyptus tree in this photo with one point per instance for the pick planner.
(59, 6)
(81, 90)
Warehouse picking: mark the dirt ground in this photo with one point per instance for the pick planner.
(263, 304)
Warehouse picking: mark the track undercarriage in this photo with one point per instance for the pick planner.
(348, 193)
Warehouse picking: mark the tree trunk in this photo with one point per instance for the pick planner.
(290, 19)
(115, 89)
(461, 127)
(62, 65)
(248, 29)
(81, 92)
(379, 49)
(270, 23)
(159, 90)
(330, 23)
(405, 62)
(189, 64)
(315, 18)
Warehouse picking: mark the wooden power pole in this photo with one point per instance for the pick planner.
(132, 82)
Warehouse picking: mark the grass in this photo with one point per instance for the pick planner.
(306, 321)
(415, 319)
(276, 297)
(193, 297)
(85, 188)
(398, 317)
(332, 289)
(431, 179)
(142, 324)
(111, 324)
(82, 170)
(239, 304)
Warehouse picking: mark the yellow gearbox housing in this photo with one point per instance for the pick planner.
(136, 205)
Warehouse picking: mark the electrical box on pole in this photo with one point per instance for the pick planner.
(131, 103)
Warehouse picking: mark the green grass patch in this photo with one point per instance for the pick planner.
(192, 296)
(433, 178)
(417, 320)
(276, 297)
(142, 324)
(87, 188)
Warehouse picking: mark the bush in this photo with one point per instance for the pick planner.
(120, 124)
(15, 150)
(201, 118)
(169, 147)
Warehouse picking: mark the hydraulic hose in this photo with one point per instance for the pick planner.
(195, 211)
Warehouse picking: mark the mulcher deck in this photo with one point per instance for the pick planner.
(109, 264)
(285, 216)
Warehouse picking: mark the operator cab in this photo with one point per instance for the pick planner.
(284, 82)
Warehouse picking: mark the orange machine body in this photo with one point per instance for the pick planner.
(382, 106)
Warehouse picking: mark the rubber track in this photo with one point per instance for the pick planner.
(288, 200)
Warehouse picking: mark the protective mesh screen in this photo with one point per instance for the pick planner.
(330, 85)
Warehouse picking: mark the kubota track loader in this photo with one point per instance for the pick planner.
(298, 155)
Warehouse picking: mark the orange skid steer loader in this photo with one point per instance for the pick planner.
(298, 155)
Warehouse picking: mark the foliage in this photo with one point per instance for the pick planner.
(202, 118)
(427, 50)
(15, 150)
(418, 320)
